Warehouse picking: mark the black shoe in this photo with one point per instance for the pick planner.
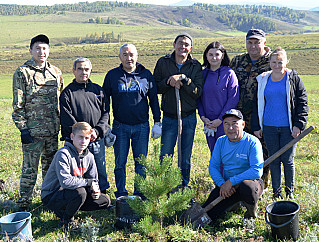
(24, 209)
(69, 224)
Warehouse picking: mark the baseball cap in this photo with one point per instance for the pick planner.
(233, 112)
(39, 38)
(255, 34)
(184, 34)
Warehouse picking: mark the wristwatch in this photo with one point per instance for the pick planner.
(183, 76)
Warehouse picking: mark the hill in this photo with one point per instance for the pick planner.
(226, 18)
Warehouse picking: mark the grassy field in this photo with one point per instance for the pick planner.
(303, 51)
(44, 223)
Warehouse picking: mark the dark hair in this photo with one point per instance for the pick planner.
(219, 46)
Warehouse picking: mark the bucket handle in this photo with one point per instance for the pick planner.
(279, 225)
(18, 231)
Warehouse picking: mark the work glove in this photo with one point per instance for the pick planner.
(156, 130)
(209, 132)
(26, 137)
(109, 138)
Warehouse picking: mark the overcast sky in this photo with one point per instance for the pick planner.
(305, 4)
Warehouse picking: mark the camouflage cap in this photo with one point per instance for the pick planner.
(39, 38)
(233, 112)
(255, 34)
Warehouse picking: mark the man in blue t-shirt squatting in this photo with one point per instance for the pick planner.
(236, 167)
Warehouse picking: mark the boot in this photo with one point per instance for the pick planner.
(251, 210)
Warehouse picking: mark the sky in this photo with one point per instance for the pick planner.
(296, 4)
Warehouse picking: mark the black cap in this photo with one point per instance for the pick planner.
(184, 34)
(255, 34)
(233, 112)
(39, 38)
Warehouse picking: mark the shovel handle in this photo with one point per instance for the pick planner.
(287, 146)
(213, 204)
(179, 119)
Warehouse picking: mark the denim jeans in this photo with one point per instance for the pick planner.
(169, 137)
(276, 138)
(97, 148)
(138, 136)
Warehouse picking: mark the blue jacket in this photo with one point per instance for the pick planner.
(132, 94)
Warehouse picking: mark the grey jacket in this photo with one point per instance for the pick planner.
(69, 170)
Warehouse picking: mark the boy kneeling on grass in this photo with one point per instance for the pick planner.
(71, 182)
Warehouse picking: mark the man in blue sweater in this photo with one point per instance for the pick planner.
(132, 89)
(241, 156)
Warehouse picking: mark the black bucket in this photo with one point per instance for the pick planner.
(125, 216)
(283, 219)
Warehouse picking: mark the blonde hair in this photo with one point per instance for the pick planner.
(82, 126)
(279, 52)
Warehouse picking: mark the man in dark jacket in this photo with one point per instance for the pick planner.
(179, 71)
(83, 100)
(71, 181)
(132, 89)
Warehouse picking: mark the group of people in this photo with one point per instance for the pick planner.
(254, 94)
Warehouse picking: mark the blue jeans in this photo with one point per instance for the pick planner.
(276, 138)
(97, 148)
(138, 136)
(169, 137)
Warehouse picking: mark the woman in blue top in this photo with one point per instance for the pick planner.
(220, 91)
(280, 114)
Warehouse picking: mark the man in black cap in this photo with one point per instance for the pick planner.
(241, 156)
(36, 87)
(247, 67)
(179, 71)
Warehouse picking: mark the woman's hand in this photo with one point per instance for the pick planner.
(215, 123)
(295, 131)
(258, 134)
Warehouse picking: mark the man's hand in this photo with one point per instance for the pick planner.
(295, 131)
(96, 193)
(175, 81)
(258, 134)
(227, 189)
(215, 123)
(93, 135)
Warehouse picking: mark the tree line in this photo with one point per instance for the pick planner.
(109, 20)
(95, 38)
(244, 17)
(95, 7)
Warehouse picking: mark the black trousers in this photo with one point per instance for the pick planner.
(248, 191)
(66, 203)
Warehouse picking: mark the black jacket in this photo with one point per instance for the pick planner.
(84, 102)
(189, 92)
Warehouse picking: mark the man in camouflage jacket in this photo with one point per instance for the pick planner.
(247, 67)
(36, 87)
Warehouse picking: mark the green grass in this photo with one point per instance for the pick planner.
(44, 222)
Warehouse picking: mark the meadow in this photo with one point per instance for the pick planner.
(303, 51)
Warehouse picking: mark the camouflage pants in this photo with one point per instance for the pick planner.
(44, 148)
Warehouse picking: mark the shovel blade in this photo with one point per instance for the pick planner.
(196, 216)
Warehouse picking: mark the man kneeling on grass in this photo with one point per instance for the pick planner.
(71, 182)
(241, 157)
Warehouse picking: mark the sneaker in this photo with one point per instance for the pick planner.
(290, 196)
(68, 224)
(278, 195)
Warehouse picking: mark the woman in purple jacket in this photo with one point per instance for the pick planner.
(220, 91)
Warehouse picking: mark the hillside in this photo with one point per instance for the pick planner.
(226, 18)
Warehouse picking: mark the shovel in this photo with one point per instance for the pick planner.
(197, 216)
(180, 125)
